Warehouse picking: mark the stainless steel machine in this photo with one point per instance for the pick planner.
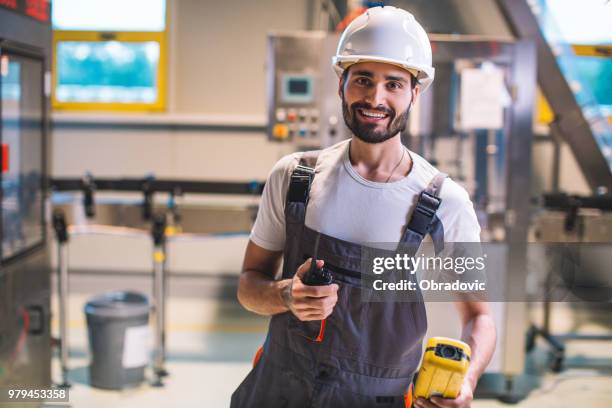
(475, 124)
(25, 344)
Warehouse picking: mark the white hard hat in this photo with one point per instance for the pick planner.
(386, 34)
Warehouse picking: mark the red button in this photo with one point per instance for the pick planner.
(5, 157)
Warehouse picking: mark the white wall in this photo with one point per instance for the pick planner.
(221, 47)
(217, 53)
(168, 153)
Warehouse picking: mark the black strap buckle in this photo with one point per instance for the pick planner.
(299, 188)
(424, 212)
(428, 203)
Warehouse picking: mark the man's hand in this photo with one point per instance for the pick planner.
(463, 400)
(309, 302)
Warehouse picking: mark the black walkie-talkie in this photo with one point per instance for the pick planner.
(317, 276)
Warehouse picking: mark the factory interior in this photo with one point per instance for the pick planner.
(137, 138)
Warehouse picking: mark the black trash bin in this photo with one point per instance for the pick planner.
(118, 328)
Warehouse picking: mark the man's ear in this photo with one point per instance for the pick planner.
(415, 92)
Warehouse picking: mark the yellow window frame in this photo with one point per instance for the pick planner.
(604, 51)
(98, 36)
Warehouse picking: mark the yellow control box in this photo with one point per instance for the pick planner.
(444, 365)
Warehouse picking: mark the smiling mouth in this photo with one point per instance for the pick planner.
(372, 115)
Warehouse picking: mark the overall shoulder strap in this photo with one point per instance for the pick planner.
(435, 185)
(309, 158)
(295, 209)
(424, 211)
(301, 181)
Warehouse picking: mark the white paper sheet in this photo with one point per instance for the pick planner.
(482, 100)
(136, 347)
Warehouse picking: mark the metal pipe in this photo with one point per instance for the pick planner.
(61, 233)
(159, 307)
(96, 229)
(159, 295)
(556, 159)
(163, 312)
(62, 286)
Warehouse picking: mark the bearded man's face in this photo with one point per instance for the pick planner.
(376, 100)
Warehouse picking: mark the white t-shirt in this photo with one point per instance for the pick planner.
(344, 205)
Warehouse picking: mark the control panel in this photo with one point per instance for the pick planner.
(303, 103)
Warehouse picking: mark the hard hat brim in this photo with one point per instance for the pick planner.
(424, 74)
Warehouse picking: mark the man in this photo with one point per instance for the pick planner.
(326, 347)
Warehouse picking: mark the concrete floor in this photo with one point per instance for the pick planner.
(211, 342)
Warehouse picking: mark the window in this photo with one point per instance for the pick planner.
(579, 22)
(109, 54)
(22, 134)
(580, 35)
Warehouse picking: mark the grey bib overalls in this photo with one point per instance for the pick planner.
(366, 353)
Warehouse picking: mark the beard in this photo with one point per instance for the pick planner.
(369, 132)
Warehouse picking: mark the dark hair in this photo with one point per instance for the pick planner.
(344, 75)
(413, 79)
